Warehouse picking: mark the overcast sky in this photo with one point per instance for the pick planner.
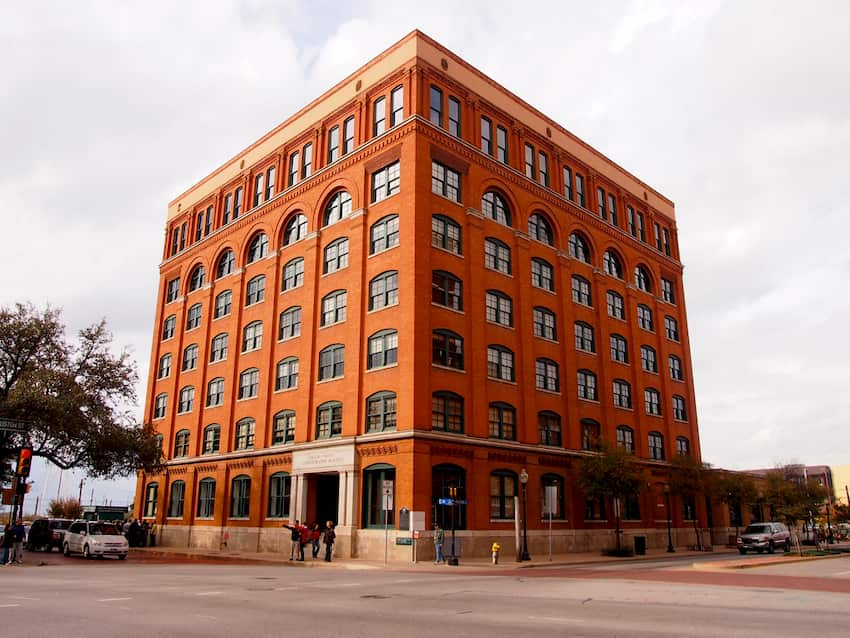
(737, 111)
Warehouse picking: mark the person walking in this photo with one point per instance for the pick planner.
(295, 547)
(439, 538)
(329, 537)
(315, 537)
(7, 544)
(18, 533)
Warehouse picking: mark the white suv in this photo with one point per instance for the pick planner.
(95, 538)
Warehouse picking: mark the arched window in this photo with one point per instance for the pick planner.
(500, 363)
(626, 438)
(280, 486)
(383, 290)
(447, 349)
(181, 443)
(374, 480)
(549, 427)
(295, 230)
(494, 206)
(333, 308)
(581, 290)
(240, 497)
(540, 229)
(159, 406)
(446, 290)
(683, 446)
(381, 412)
(225, 264)
(383, 234)
(448, 481)
(542, 274)
(503, 489)
(680, 413)
(293, 274)
(175, 500)
(249, 383)
(283, 428)
(332, 362)
(258, 248)
(652, 399)
(644, 315)
(383, 349)
(647, 359)
(193, 316)
(502, 420)
(584, 337)
(546, 376)
(447, 412)
(544, 323)
(206, 498)
(656, 446)
(212, 439)
(578, 248)
(286, 376)
(555, 506)
(164, 369)
(252, 336)
(255, 291)
(218, 348)
(289, 323)
(622, 394)
(590, 434)
(619, 349)
(497, 255)
(587, 385)
(335, 256)
(616, 307)
(244, 434)
(642, 280)
(499, 308)
(196, 279)
(187, 400)
(329, 420)
(151, 493)
(675, 368)
(611, 264)
(223, 304)
(168, 327)
(338, 207)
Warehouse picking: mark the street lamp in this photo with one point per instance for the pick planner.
(670, 547)
(523, 479)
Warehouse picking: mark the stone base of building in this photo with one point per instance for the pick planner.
(392, 544)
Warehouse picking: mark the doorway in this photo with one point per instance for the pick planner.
(325, 505)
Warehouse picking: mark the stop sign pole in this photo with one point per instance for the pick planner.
(22, 470)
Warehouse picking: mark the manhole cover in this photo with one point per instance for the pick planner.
(375, 596)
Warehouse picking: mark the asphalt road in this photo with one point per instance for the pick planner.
(74, 597)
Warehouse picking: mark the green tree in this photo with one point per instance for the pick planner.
(610, 472)
(65, 508)
(735, 489)
(791, 497)
(688, 480)
(76, 395)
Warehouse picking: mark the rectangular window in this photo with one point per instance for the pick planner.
(543, 168)
(658, 236)
(237, 204)
(307, 161)
(436, 106)
(671, 328)
(386, 182)
(530, 170)
(486, 136)
(172, 290)
(199, 224)
(445, 181)
(379, 116)
(397, 105)
(454, 117)
(209, 221)
(600, 203)
(641, 229)
(259, 180)
(666, 242)
(630, 220)
(294, 163)
(228, 208)
(612, 208)
(502, 144)
(183, 230)
(667, 292)
(568, 184)
(270, 183)
(348, 135)
(333, 144)
(544, 324)
(580, 190)
(175, 239)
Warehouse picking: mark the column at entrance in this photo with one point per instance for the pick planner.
(299, 498)
(348, 499)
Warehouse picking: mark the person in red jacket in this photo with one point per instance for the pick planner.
(315, 537)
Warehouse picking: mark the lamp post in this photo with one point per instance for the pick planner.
(670, 547)
(523, 479)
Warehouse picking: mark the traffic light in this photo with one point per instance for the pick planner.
(24, 462)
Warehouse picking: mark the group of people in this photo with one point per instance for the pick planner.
(139, 534)
(302, 535)
(13, 543)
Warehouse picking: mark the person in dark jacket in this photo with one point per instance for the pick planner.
(329, 537)
(18, 533)
(296, 547)
(8, 537)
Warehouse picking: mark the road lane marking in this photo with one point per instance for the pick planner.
(555, 619)
(109, 600)
(841, 573)
(23, 598)
(11, 605)
(205, 617)
(207, 593)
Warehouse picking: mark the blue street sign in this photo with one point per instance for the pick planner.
(445, 501)
(460, 501)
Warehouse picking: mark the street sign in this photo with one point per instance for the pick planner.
(14, 425)
(460, 501)
(445, 501)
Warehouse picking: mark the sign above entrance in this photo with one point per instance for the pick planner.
(338, 458)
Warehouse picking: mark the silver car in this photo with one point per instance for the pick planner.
(765, 537)
(95, 538)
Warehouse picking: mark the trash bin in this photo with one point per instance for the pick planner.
(640, 545)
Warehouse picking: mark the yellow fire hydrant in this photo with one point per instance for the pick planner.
(495, 548)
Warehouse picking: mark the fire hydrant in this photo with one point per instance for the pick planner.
(495, 548)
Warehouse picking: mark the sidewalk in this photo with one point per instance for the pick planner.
(506, 562)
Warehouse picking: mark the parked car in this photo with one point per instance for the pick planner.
(95, 538)
(47, 533)
(761, 537)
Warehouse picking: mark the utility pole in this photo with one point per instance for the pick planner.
(80, 499)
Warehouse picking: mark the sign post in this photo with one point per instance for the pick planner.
(387, 505)
(551, 504)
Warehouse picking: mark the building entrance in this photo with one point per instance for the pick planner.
(325, 505)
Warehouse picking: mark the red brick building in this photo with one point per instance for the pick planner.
(417, 278)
